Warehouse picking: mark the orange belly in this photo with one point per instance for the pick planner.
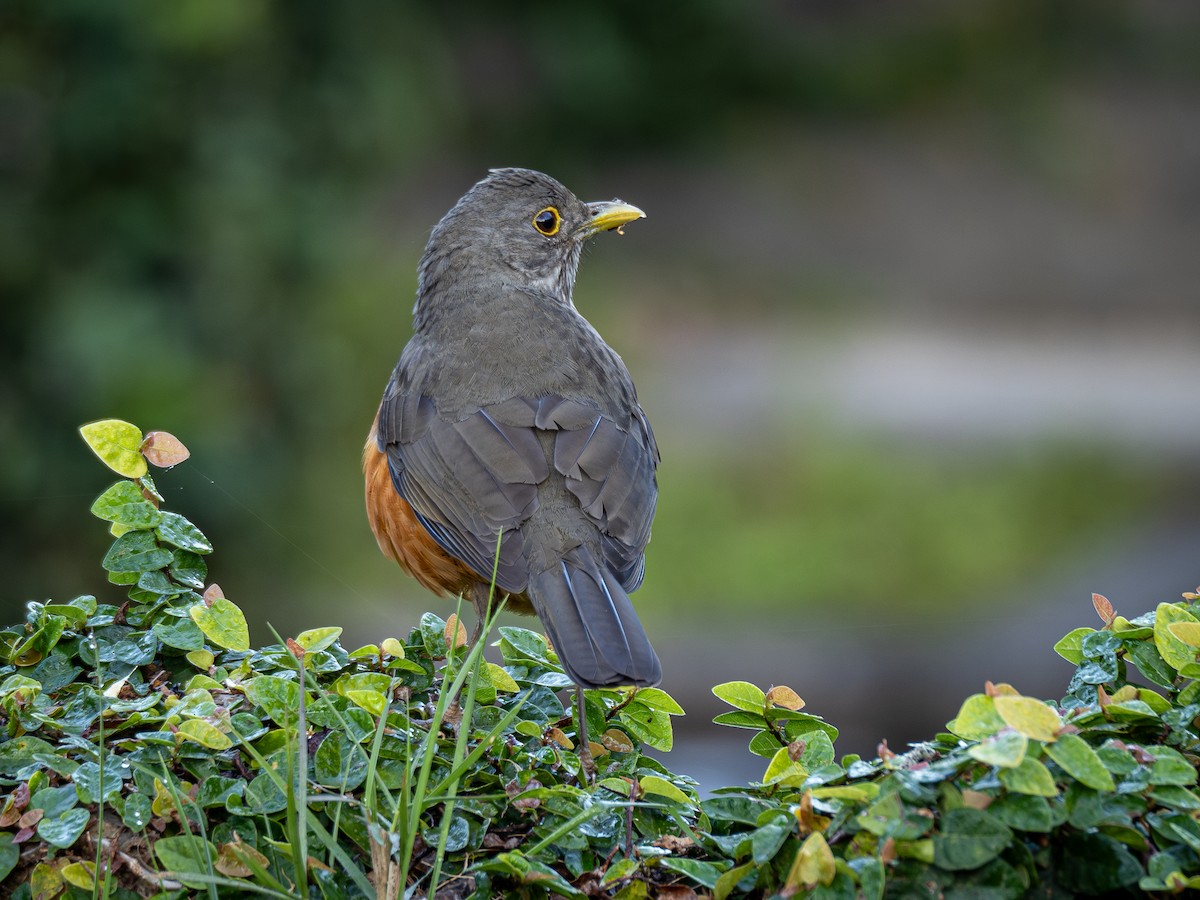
(403, 538)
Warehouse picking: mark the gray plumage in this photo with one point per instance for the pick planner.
(509, 416)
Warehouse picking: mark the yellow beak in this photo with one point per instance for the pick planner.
(607, 215)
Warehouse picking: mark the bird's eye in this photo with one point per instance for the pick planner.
(547, 221)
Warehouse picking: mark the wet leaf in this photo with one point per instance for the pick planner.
(177, 531)
(123, 504)
(118, 444)
(136, 551)
(64, 830)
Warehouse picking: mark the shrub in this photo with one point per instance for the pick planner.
(149, 750)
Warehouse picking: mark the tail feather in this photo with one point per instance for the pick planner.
(591, 622)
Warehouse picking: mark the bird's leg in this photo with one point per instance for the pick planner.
(479, 599)
(585, 750)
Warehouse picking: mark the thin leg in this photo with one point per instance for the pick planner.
(585, 750)
(479, 599)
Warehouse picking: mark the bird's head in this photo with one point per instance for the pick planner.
(520, 227)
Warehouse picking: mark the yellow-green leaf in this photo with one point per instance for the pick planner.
(813, 864)
(977, 718)
(1188, 632)
(393, 647)
(653, 784)
(79, 874)
(118, 444)
(202, 732)
(500, 679)
(729, 880)
(222, 623)
(372, 701)
(318, 638)
(783, 770)
(45, 882)
(1030, 717)
(201, 659)
(1175, 652)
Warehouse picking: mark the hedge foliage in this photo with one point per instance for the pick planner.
(149, 750)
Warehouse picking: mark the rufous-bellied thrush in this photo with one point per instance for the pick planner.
(508, 420)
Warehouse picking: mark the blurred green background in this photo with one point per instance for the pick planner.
(914, 310)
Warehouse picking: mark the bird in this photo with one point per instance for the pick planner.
(510, 442)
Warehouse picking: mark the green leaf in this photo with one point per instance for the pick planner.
(1026, 813)
(123, 504)
(184, 854)
(653, 784)
(136, 551)
(118, 444)
(19, 752)
(222, 623)
(189, 568)
(766, 841)
(1094, 864)
(88, 784)
(1070, 647)
(742, 695)
(1006, 749)
(56, 800)
(1030, 777)
(10, 854)
(741, 719)
(703, 873)
(177, 531)
(659, 699)
(64, 830)
(967, 838)
(650, 726)
(733, 878)
(182, 634)
(137, 813)
(1171, 767)
(278, 697)
(1081, 762)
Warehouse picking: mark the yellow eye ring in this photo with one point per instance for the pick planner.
(548, 221)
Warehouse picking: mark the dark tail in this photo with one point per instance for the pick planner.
(592, 625)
